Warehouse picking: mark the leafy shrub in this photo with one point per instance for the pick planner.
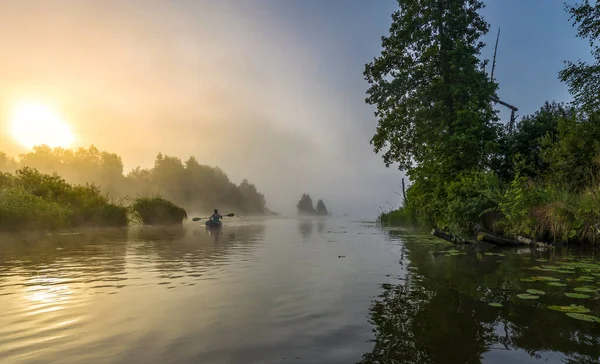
(21, 210)
(469, 198)
(158, 211)
(33, 200)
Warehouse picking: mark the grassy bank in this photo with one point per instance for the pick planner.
(539, 210)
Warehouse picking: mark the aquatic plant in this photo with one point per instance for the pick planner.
(536, 292)
(544, 278)
(571, 308)
(586, 289)
(556, 284)
(495, 304)
(583, 317)
(158, 211)
(576, 295)
(527, 296)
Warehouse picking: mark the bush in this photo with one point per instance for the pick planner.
(471, 198)
(20, 210)
(33, 200)
(158, 211)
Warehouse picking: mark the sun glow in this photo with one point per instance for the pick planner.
(35, 123)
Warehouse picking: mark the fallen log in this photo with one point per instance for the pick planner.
(498, 240)
(449, 237)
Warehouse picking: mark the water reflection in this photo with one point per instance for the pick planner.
(439, 314)
(321, 226)
(54, 286)
(305, 228)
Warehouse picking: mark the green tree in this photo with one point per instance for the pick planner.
(582, 78)
(321, 208)
(573, 154)
(305, 205)
(7, 164)
(433, 97)
(523, 147)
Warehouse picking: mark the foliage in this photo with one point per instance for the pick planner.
(33, 200)
(7, 163)
(433, 99)
(572, 155)
(435, 120)
(305, 205)
(471, 196)
(583, 317)
(190, 184)
(522, 148)
(584, 79)
(321, 208)
(158, 211)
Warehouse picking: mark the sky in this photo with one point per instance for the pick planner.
(269, 90)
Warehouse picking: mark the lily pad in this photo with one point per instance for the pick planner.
(541, 260)
(586, 289)
(527, 296)
(528, 280)
(571, 308)
(585, 279)
(583, 317)
(536, 292)
(547, 279)
(576, 295)
(495, 304)
(496, 254)
(556, 284)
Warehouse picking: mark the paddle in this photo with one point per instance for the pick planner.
(200, 218)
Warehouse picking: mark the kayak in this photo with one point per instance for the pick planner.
(212, 224)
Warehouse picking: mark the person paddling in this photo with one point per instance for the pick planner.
(216, 217)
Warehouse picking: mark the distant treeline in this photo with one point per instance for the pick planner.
(189, 184)
(305, 206)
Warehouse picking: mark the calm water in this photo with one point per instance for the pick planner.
(278, 291)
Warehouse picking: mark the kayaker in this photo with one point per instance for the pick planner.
(216, 217)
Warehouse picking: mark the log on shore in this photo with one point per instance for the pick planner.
(449, 237)
(498, 240)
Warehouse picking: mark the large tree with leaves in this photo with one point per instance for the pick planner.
(433, 97)
(582, 78)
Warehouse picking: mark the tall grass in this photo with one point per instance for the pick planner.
(157, 211)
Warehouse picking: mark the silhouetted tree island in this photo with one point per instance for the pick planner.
(305, 207)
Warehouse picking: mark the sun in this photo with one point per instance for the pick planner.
(35, 124)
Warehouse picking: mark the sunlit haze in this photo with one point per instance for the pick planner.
(271, 91)
(35, 124)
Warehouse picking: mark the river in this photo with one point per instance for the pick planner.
(287, 290)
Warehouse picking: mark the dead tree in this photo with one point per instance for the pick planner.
(513, 109)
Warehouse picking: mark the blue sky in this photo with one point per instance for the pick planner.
(270, 90)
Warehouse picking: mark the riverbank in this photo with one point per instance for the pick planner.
(520, 208)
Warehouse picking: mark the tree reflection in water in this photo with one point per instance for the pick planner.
(440, 313)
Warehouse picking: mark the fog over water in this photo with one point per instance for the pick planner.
(270, 91)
